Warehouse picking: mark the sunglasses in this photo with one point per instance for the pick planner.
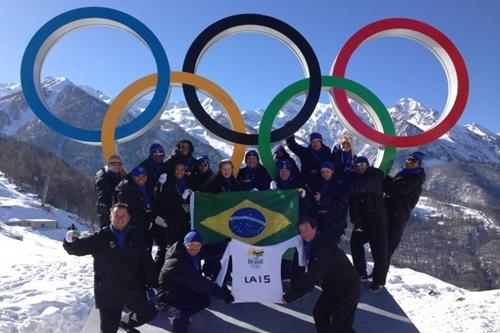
(345, 143)
(411, 159)
(115, 163)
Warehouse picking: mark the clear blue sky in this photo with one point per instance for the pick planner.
(254, 68)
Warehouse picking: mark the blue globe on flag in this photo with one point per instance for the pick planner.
(247, 222)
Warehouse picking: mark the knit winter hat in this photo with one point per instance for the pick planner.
(251, 153)
(156, 148)
(279, 148)
(419, 156)
(284, 164)
(315, 135)
(361, 159)
(328, 165)
(203, 159)
(193, 236)
(138, 171)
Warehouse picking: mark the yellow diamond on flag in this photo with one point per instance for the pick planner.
(247, 222)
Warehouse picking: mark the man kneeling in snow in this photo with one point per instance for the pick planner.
(123, 270)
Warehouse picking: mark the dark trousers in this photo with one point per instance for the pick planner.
(332, 315)
(178, 314)
(378, 246)
(142, 312)
(158, 235)
(395, 233)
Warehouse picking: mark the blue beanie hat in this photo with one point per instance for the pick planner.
(278, 148)
(361, 159)
(203, 159)
(138, 170)
(328, 165)
(284, 164)
(156, 148)
(193, 236)
(251, 153)
(315, 135)
(419, 156)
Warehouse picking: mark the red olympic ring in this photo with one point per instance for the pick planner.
(443, 48)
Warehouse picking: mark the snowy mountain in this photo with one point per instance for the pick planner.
(46, 290)
(463, 166)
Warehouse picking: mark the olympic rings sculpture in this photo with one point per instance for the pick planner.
(383, 135)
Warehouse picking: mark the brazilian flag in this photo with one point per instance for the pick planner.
(256, 217)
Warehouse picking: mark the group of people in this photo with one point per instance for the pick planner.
(150, 205)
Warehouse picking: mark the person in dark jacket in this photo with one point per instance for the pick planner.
(105, 182)
(311, 158)
(123, 270)
(343, 155)
(327, 264)
(401, 196)
(331, 203)
(133, 191)
(183, 154)
(154, 165)
(174, 203)
(223, 180)
(183, 290)
(253, 175)
(202, 173)
(280, 153)
(369, 216)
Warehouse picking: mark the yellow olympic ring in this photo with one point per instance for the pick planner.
(145, 85)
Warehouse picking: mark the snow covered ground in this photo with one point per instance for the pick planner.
(43, 289)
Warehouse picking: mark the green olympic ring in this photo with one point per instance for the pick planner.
(368, 100)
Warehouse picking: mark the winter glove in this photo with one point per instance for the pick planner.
(273, 186)
(254, 190)
(186, 194)
(151, 295)
(72, 235)
(302, 193)
(162, 179)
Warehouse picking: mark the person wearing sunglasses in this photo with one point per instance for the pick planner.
(202, 172)
(343, 155)
(368, 214)
(402, 193)
(105, 181)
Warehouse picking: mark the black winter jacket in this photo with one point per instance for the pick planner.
(120, 274)
(217, 185)
(310, 166)
(140, 216)
(105, 185)
(366, 203)
(260, 179)
(332, 208)
(330, 267)
(180, 281)
(402, 194)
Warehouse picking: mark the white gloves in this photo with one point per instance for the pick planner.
(273, 186)
(302, 193)
(186, 194)
(72, 235)
(163, 178)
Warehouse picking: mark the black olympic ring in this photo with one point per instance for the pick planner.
(275, 28)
